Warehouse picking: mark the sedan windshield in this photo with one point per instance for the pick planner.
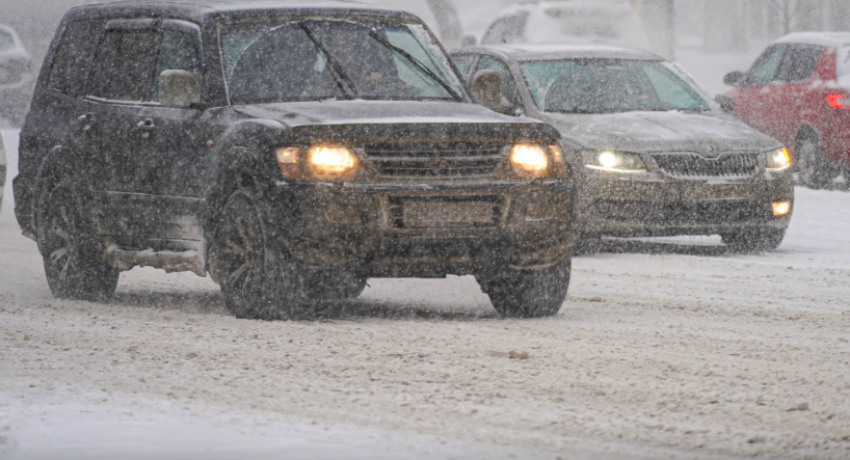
(320, 60)
(609, 86)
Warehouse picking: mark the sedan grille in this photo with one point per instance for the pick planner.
(729, 165)
(436, 159)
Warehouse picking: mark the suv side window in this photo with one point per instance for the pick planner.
(74, 56)
(125, 65)
(180, 50)
(509, 88)
(765, 68)
(798, 64)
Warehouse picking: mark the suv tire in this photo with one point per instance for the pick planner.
(257, 281)
(333, 285)
(751, 240)
(812, 168)
(530, 294)
(73, 255)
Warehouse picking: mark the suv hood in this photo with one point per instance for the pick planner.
(294, 114)
(371, 121)
(649, 132)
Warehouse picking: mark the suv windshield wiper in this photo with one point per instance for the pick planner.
(336, 69)
(416, 62)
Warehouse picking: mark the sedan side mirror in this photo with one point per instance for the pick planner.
(727, 104)
(734, 78)
(487, 89)
(178, 89)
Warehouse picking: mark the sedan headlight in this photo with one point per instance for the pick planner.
(529, 161)
(778, 160)
(321, 162)
(614, 162)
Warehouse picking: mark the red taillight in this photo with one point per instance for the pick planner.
(838, 101)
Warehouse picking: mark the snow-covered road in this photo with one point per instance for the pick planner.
(663, 350)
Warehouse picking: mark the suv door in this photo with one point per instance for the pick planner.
(174, 187)
(118, 110)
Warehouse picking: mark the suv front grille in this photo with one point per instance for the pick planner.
(728, 165)
(436, 159)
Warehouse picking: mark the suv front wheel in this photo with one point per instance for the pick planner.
(530, 293)
(257, 281)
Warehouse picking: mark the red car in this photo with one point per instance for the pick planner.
(798, 91)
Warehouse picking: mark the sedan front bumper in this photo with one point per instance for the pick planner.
(650, 204)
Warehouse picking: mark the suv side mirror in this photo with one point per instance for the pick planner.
(468, 41)
(734, 78)
(487, 89)
(178, 89)
(727, 104)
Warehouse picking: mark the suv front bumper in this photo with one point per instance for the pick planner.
(418, 230)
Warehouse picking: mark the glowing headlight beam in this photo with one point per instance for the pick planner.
(778, 160)
(529, 161)
(333, 163)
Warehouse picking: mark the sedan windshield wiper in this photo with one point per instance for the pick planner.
(416, 62)
(336, 69)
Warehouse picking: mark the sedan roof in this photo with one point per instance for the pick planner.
(526, 52)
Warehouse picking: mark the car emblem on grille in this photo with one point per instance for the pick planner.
(710, 151)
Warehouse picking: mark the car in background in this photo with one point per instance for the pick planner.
(3, 171)
(578, 22)
(798, 91)
(291, 151)
(652, 153)
(15, 75)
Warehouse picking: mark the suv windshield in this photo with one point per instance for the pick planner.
(609, 86)
(318, 60)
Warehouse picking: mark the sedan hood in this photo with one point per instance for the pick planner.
(648, 132)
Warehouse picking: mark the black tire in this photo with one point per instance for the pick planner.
(72, 253)
(257, 280)
(530, 293)
(753, 240)
(812, 168)
(333, 285)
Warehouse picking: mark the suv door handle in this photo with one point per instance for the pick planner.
(86, 121)
(146, 125)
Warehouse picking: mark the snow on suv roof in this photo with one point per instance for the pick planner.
(534, 51)
(825, 39)
(256, 5)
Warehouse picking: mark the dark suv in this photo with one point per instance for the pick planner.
(290, 151)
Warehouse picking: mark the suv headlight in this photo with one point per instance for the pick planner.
(529, 161)
(320, 162)
(614, 162)
(778, 160)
